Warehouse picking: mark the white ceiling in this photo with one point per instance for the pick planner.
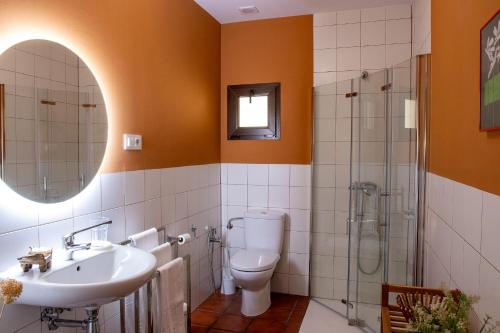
(226, 11)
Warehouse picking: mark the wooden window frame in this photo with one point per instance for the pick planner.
(272, 131)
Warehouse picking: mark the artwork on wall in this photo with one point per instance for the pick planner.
(490, 74)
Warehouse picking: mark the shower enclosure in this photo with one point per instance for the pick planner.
(366, 195)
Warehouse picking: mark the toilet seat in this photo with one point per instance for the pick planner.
(254, 260)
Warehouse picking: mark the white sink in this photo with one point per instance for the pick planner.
(92, 279)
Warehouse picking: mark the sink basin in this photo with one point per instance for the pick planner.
(92, 279)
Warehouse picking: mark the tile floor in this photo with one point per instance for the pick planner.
(221, 313)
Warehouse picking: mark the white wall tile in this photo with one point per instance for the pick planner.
(16, 214)
(398, 12)
(134, 186)
(258, 196)
(325, 37)
(237, 174)
(489, 292)
(471, 275)
(373, 14)
(279, 283)
(299, 263)
(116, 231)
(373, 57)
(279, 197)
(490, 246)
(298, 285)
(258, 174)
(237, 195)
(300, 197)
(348, 59)
(16, 244)
(348, 35)
(299, 242)
(89, 200)
(398, 31)
(51, 234)
(322, 19)
(348, 16)
(300, 175)
(181, 179)
(134, 218)
(279, 174)
(113, 190)
(467, 211)
(153, 217)
(373, 33)
(152, 186)
(325, 60)
(397, 53)
(181, 206)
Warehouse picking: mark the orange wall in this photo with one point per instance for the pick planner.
(158, 63)
(458, 150)
(276, 50)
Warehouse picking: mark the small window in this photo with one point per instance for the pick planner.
(253, 112)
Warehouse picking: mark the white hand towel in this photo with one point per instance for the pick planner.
(171, 283)
(163, 254)
(146, 240)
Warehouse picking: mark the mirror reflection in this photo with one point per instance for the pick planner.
(53, 121)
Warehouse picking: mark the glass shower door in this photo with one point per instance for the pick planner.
(369, 199)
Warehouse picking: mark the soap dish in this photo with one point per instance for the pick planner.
(101, 245)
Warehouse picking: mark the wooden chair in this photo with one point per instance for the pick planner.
(393, 319)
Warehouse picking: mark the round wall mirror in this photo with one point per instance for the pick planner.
(53, 122)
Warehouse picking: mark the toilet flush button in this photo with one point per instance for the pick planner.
(132, 142)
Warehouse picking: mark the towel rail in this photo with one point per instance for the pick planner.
(174, 242)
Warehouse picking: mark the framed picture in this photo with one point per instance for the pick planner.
(490, 74)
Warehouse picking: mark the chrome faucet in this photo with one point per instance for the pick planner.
(69, 241)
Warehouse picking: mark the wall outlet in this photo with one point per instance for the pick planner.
(132, 142)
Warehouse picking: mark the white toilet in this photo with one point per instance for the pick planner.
(253, 267)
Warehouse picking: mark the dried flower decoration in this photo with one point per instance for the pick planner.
(10, 290)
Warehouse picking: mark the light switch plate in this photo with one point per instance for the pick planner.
(132, 142)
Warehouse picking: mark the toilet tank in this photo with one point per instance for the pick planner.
(264, 229)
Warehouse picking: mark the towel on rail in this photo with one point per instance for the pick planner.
(146, 240)
(163, 254)
(171, 287)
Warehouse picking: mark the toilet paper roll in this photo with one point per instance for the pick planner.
(183, 239)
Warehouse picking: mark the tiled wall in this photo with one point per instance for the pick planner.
(346, 43)
(177, 198)
(421, 27)
(59, 142)
(275, 186)
(462, 248)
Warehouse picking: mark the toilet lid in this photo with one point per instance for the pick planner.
(254, 260)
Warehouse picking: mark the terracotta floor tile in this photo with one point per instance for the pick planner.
(203, 318)
(283, 300)
(222, 314)
(218, 306)
(232, 323)
(292, 328)
(198, 329)
(266, 326)
(234, 308)
(277, 314)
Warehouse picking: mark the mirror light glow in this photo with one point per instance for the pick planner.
(13, 202)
